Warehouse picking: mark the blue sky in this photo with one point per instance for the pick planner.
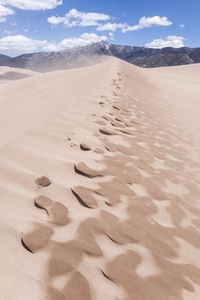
(45, 25)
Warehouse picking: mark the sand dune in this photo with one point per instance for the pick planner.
(99, 181)
(8, 74)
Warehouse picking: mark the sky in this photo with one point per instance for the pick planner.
(55, 25)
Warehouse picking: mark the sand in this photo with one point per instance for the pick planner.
(8, 74)
(99, 184)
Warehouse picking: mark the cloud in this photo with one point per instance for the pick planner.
(174, 41)
(111, 26)
(32, 4)
(77, 18)
(182, 25)
(144, 22)
(84, 40)
(147, 22)
(112, 36)
(4, 12)
(56, 20)
(23, 44)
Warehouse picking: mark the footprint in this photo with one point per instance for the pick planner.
(119, 119)
(43, 181)
(85, 147)
(116, 107)
(128, 124)
(105, 275)
(113, 228)
(125, 131)
(99, 151)
(64, 258)
(37, 238)
(77, 288)
(154, 190)
(107, 118)
(56, 211)
(106, 131)
(84, 196)
(100, 122)
(117, 124)
(110, 146)
(82, 169)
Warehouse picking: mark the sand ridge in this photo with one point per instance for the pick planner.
(8, 74)
(94, 223)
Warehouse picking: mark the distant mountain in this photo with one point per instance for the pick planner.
(47, 61)
(150, 58)
(4, 60)
(140, 56)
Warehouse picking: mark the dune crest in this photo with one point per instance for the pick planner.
(116, 215)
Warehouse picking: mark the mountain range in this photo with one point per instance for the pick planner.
(140, 56)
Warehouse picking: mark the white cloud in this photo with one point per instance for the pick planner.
(56, 20)
(112, 36)
(182, 25)
(84, 40)
(147, 22)
(4, 12)
(111, 26)
(82, 19)
(32, 4)
(23, 44)
(77, 18)
(170, 41)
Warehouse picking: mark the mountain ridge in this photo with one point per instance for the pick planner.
(139, 56)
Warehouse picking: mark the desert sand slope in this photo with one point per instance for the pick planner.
(8, 74)
(99, 184)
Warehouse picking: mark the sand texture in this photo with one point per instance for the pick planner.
(100, 183)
